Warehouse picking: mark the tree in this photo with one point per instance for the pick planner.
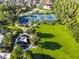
(65, 10)
(5, 13)
(4, 16)
(34, 39)
(27, 55)
(8, 41)
(17, 53)
(12, 10)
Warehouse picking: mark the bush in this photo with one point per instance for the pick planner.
(27, 55)
(17, 53)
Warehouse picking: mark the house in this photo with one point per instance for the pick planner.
(47, 4)
(35, 1)
(2, 1)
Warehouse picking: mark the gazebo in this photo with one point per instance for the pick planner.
(23, 40)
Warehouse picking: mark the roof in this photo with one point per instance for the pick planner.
(46, 1)
(23, 39)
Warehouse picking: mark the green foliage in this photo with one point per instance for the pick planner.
(33, 39)
(27, 55)
(3, 7)
(74, 27)
(32, 31)
(9, 11)
(16, 53)
(5, 16)
(65, 10)
(8, 40)
(62, 36)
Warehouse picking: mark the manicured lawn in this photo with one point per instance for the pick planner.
(56, 43)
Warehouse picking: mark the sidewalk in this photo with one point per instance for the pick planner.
(5, 55)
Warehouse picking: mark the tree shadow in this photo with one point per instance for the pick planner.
(45, 35)
(50, 45)
(42, 56)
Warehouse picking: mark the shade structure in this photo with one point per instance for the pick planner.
(51, 17)
(24, 20)
(23, 39)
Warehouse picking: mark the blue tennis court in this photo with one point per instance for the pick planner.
(42, 17)
(51, 17)
(37, 18)
(34, 17)
(24, 20)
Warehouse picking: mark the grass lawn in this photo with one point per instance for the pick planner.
(56, 43)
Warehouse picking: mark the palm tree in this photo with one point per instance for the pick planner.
(17, 53)
(8, 41)
(27, 55)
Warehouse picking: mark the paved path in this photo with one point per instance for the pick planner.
(5, 55)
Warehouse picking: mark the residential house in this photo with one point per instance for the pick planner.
(2, 1)
(47, 4)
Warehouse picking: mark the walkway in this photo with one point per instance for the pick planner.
(5, 55)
